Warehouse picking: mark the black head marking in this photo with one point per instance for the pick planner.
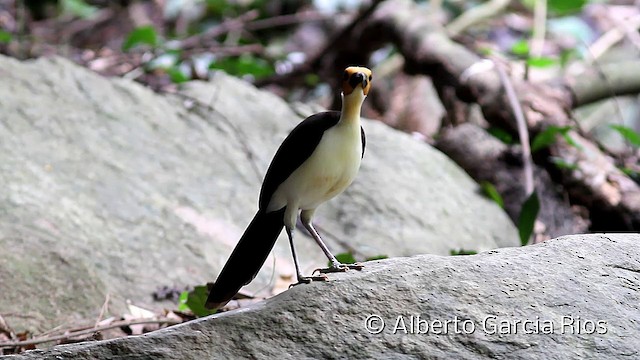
(357, 78)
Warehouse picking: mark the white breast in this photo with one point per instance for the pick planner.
(329, 170)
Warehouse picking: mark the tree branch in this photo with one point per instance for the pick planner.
(592, 179)
(71, 334)
(610, 80)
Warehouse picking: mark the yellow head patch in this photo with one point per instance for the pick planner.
(354, 77)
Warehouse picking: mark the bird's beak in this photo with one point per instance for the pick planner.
(354, 78)
(359, 78)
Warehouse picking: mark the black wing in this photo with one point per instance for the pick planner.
(295, 149)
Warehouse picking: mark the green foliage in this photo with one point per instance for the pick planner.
(345, 258)
(245, 64)
(561, 164)
(176, 75)
(563, 7)
(548, 137)
(141, 35)
(541, 62)
(485, 51)
(559, 7)
(348, 258)
(629, 134)
(78, 8)
(226, 8)
(5, 37)
(566, 55)
(501, 135)
(492, 193)
(194, 300)
(527, 218)
(217, 7)
(633, 174)
(462, 252)
(520, 48)
(311, 79)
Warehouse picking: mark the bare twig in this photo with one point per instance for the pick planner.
(613, 36)
(103, 309)
(523, 132)
(539, 27)
(315, 59)
(475, 15)
(285, 20)
(621, 78)
(227, 26)
(69, 335)
(612, 198)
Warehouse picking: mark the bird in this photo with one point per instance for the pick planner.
(318, 160)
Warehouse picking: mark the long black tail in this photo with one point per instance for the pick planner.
(247, 258)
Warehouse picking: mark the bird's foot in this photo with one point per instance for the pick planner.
(309, 279)
(339, 268)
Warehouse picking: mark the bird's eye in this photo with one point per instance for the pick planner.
(370, 77)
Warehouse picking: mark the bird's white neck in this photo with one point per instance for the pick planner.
(351, 107)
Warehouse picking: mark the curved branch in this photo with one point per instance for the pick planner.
(610, 80)
(475, 15)
(592, 179)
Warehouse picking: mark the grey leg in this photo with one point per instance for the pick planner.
(301, 279)
(336, 266)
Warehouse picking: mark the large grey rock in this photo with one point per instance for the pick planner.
(109, 188)
(576, 297)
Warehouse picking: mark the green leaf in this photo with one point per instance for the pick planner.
(628, 133)
(561, 164)
(182, 301)
(5, 37)
(566, 55)
(345, 258)
(501, 135)
(527, 218)
(492, 193)
(462, 252)
(377, 257)
(563, 7)
(244, 65)
(217, 7)
(548, 137)
(78, 8)
(520, 48)
(485, 51)
(541, 62)
(570, 141)
(142, 35)
(194, 300)
(176, 75)
(634, 174)
(311, 79)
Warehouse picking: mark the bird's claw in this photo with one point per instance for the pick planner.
(309, 279)
(339, 268)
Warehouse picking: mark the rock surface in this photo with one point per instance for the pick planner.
(110, 188)
(568, 298)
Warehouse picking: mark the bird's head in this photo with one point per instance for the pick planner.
(355, 79)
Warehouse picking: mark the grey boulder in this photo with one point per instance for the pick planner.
(576, 297)
(110, 188)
